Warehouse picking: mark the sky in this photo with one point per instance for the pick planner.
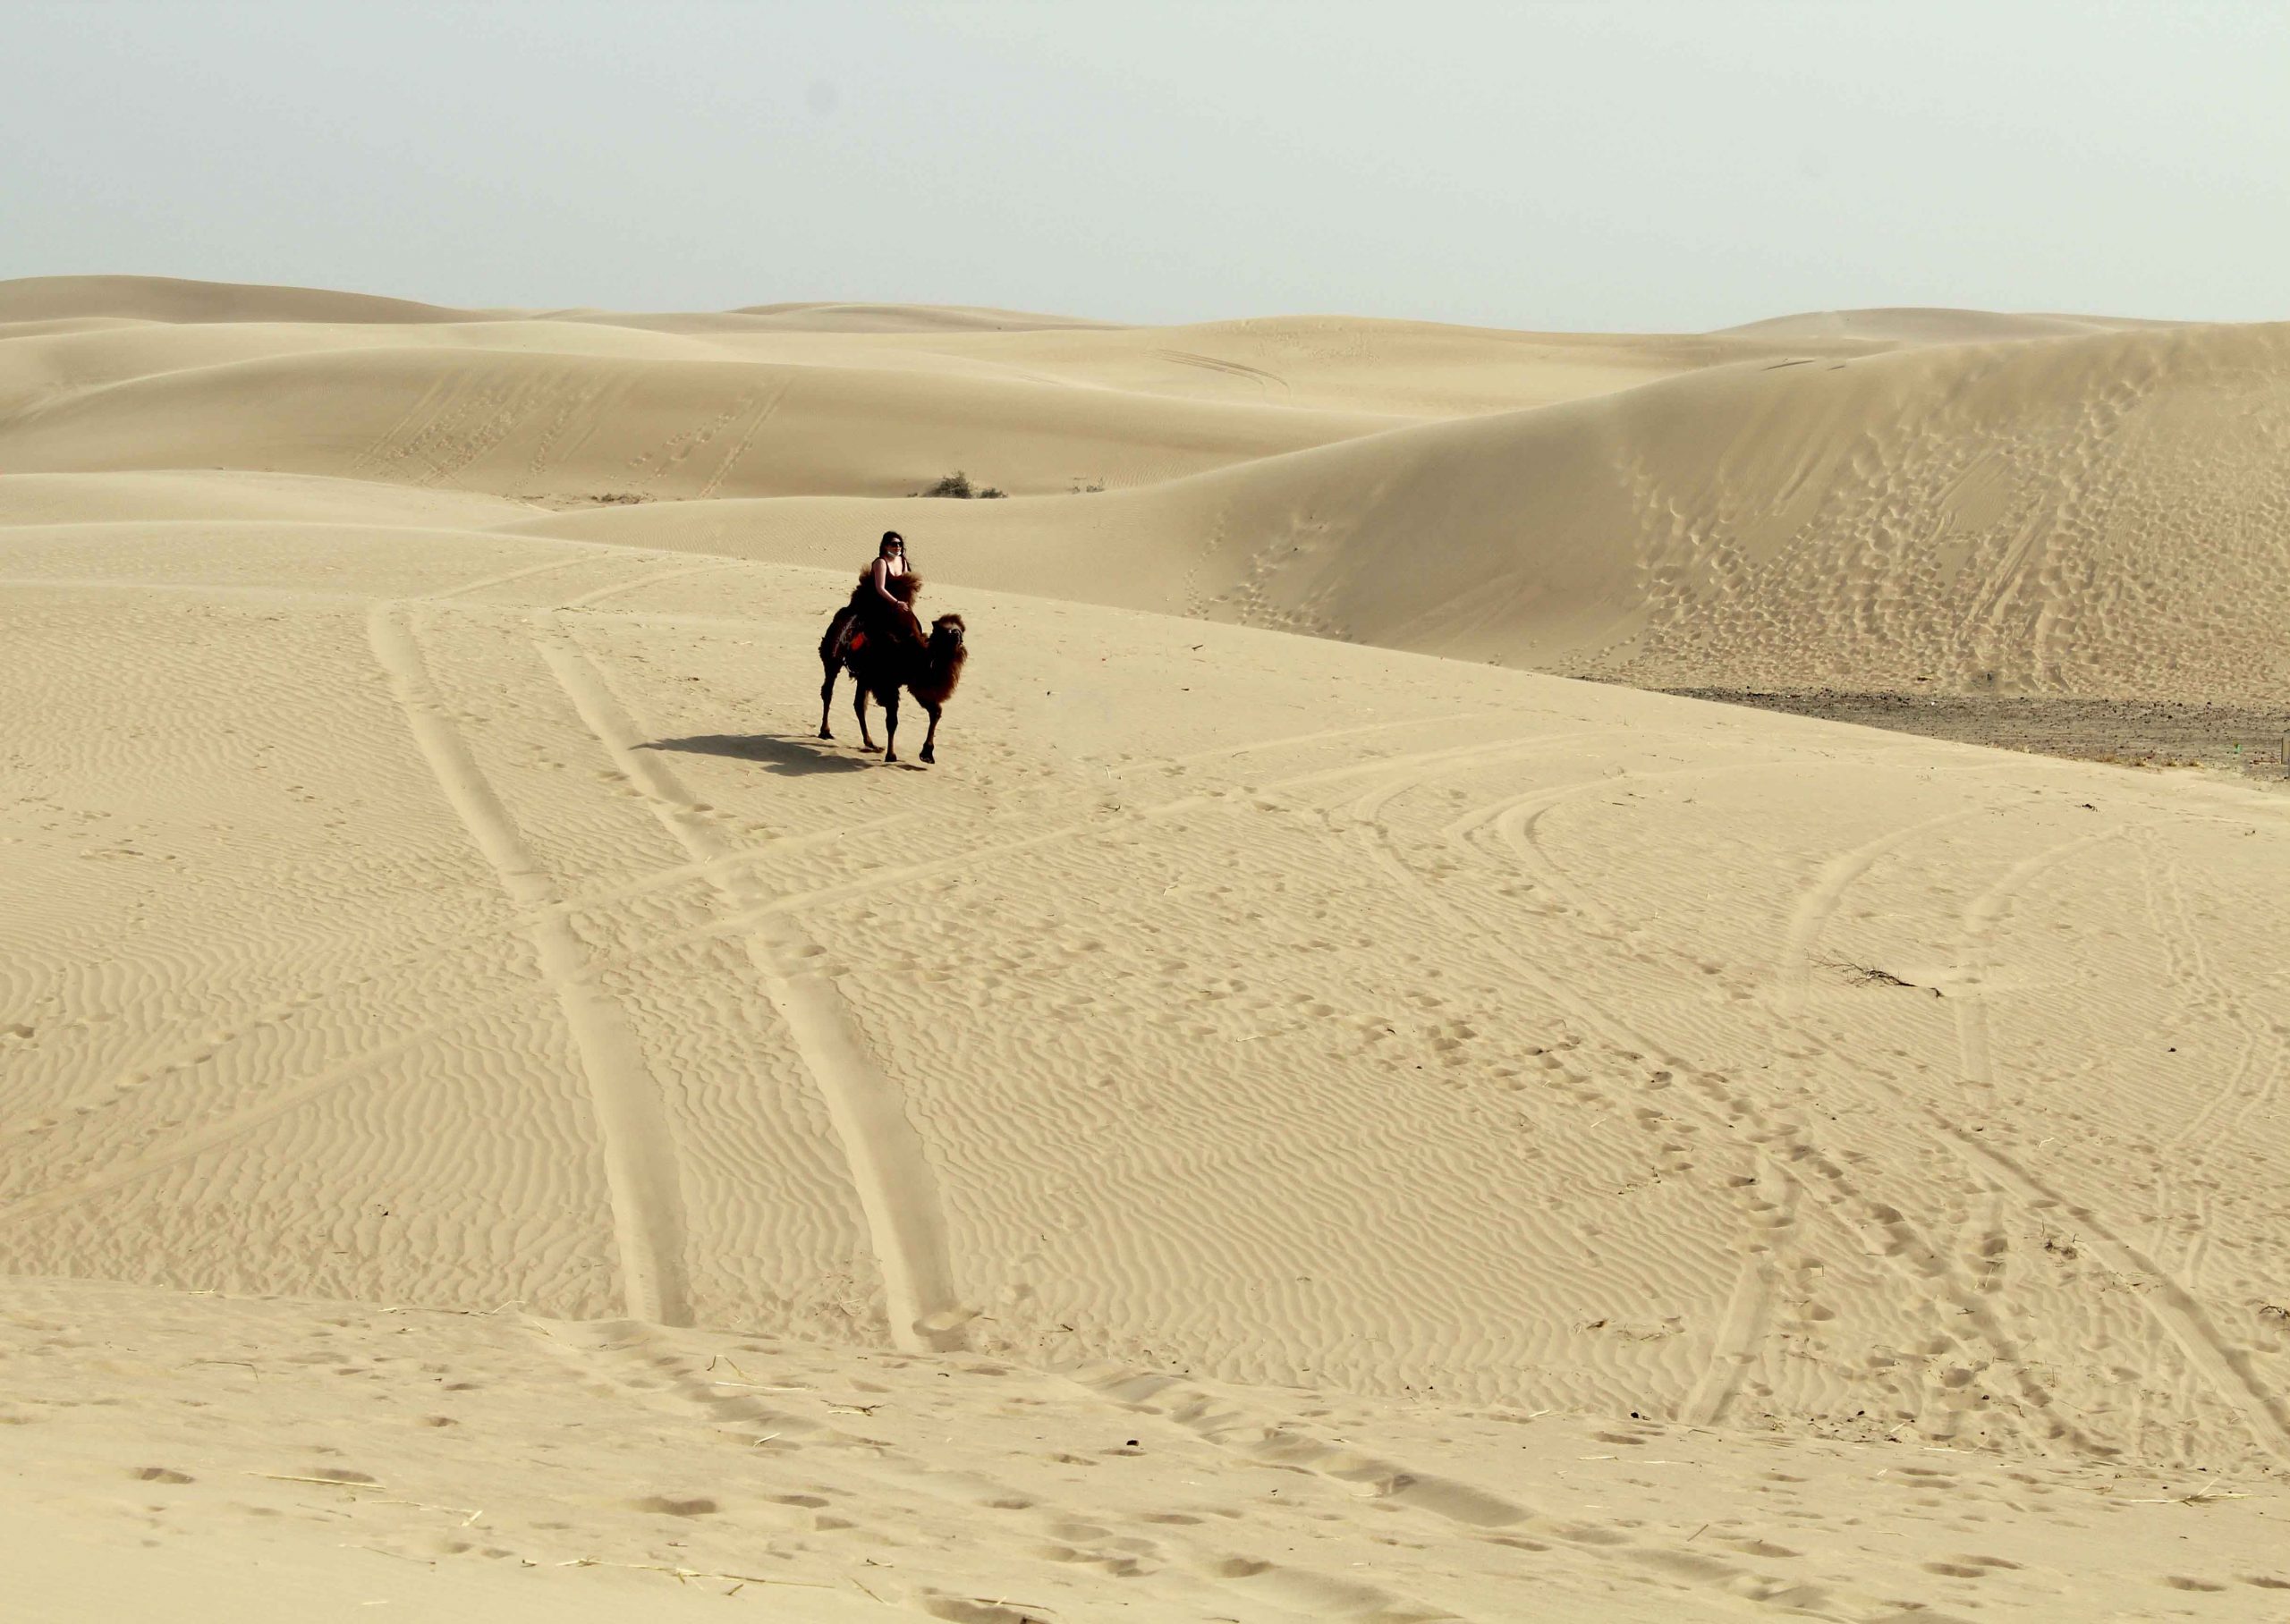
(1617, 166)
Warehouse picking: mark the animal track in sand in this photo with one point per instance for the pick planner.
(858, 1473)
(1494, 1519)
(1741, 1320)
(2224, 1369)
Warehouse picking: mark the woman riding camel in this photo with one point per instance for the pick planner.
(880, 605)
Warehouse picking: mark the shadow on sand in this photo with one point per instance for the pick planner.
(794, 756)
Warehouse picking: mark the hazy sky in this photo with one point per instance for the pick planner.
(1586, 165)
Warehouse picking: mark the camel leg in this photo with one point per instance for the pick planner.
(931, 738)
(835, 653)
(890, 726)
(859, 708)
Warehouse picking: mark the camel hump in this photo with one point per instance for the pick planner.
(902, 588)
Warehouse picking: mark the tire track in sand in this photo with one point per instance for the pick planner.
(2252, 1083)
(292, 1096)
(1743, 1323)
(617, 587)
(1974, 925)
(1286, 741)
(506, 576)
(631, 1124)
(1771, 1195)
(2222, 1367)
(739, 922)
(283, 1011)
(1788, 1162)
(1816, 907)
(897, 1191)
(2171, 1307)
(1819, 904)
(1749, 1306)
(1770, 1188)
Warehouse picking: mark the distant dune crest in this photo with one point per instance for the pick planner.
(826, 317)
(176, 300)
(1913, 325)
(169, 299)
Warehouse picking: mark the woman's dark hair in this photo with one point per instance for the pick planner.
(889, 537)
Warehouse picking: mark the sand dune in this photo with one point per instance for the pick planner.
(166, 494)
(2100, 515)
(1400, 368)
(579, 424)
(818, 317)
(1390, 368)
(1931, 326)
(2095, 514)
(1270, 1127)
(172, 299)
(1339, 786)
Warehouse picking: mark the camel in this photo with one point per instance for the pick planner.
(880, 663)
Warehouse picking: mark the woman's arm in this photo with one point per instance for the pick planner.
(880, 574)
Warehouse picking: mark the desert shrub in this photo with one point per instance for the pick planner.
(957, 485)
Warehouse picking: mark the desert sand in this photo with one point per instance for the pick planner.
(1308, 1111)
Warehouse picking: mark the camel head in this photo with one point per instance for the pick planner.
(947, 651)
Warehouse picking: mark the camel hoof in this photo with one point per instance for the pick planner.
(870, 749)
(824, 734)
(929, 759)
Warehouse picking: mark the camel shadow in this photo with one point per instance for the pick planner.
(794, 757)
